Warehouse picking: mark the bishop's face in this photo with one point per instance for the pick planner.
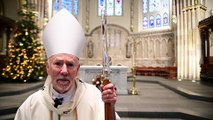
(63, 69)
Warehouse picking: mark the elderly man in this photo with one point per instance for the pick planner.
(64, 96)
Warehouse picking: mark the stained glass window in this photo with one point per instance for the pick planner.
(75, 7)
(165, 4)
(70, 5)
(155, 13)
(110, 7)
(154, 5)
(101, 6)
(56, 5)
(145, 6)
(118, 7)
(113, 7)
(151, 22)
(158, 20)
(165, 19)
(145, 22)
(67, 4)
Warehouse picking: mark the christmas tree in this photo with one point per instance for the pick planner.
(25, 52)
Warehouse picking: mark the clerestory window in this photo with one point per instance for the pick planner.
(113, 7)
(71, 5)
(155, 14)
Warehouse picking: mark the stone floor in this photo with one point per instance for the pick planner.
(158, 99)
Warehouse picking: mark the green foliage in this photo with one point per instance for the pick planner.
(25, 52)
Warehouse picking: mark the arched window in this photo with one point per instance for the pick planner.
(158, 20)
(165, 19)
(151, 22)
(155, 14)
(113, 7)
(70, 5)
(145, 22)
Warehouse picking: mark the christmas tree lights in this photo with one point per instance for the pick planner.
(25, 51)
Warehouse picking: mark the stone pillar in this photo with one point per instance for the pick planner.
(193, 38)
(190, 50)
(178, 40)
(174, 28)
(181, 42)
(198, 44)
(185, 41)
(189, 44)
(49, 9)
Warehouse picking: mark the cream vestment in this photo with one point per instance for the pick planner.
(85, 105)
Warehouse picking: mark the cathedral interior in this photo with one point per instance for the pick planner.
(165, 48)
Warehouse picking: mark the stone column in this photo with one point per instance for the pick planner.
(197, 43)
(185, 41)
(181, 42)
(189, 44)
(190, 50)
(49, 9)
(174, 28)
(178, 40)
(193, 38)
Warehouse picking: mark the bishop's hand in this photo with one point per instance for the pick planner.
(109, 94)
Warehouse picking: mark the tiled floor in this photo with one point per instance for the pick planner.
(158, 99)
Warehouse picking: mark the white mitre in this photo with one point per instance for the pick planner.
(63, 34)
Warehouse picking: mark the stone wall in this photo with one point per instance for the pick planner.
(155, 49)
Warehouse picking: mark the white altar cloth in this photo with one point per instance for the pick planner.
(118, 76)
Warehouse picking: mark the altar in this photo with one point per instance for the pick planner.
(118, 76)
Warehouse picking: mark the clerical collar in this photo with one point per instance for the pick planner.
(66, 96)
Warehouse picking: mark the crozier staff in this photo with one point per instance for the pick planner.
(64, 96)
